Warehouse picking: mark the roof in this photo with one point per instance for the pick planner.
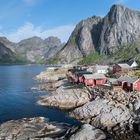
(131, 62)
(112, 80)
(124, 65)
(82, 72)
(101, 67)
(94, 76)
(127, 79)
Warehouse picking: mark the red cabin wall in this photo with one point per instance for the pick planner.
(100, 82)
(89, 82)
(81, 79)
(127, 86)
(136, 85)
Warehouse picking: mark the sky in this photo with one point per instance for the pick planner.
(21, 19)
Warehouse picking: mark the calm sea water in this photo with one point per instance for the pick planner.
(17, 100)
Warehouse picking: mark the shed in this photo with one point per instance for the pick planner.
(129, 83)
(101, 69)
(94, 79)
(121, 68)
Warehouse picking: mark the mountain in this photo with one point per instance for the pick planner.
(8, 44)
(105, 36)
(35, 49)
(6, 55)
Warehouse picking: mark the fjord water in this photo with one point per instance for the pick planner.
(17, 100)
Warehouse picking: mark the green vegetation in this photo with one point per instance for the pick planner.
(128, 52)
(39, 60)
(124, 54)
(93, 58)
(52, 61)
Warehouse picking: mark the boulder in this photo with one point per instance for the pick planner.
(28, 128)
(102, 114)
(88, 132)
(66, 98)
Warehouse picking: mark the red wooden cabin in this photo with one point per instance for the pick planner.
(79, 76)
(121, 68)
(94, 79)
(128, 83)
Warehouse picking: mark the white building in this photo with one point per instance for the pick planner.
(101, 69)
(133, 64)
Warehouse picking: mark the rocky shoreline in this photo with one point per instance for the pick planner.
(115, 113)
(110, 116)
(28, 128)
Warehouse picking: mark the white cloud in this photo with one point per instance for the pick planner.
(29, 30)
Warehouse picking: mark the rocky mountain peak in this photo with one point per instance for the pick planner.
(33, 39)
(120, 27)
(52, 41)
(6, 55)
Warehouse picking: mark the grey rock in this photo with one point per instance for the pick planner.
(88, 132)
(136, 104)
(102, 114)
(27, 128)
(65, 98)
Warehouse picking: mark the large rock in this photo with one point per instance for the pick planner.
(120, 27)
(25, 129)
(102, 114)
(66, 98)
(88, 132)
(52, 75)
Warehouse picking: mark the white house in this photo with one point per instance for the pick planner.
(101, 69)
(133, 64)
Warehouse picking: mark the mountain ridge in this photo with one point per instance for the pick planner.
(34, 49)
(107, 35)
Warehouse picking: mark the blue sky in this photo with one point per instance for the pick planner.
(20, 19)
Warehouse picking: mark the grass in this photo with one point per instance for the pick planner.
(125, 53)
(52, 61)
(93, 58)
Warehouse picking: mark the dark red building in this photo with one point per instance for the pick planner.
(121, 68)
(94, 79)
(128, 83)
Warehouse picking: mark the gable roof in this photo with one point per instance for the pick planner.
(80, 73)
(101, 67)
(127, 79)
(131, 62)
(124, 65)
(94, 76)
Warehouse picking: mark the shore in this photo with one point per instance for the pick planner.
(116, 113)
(110, 116)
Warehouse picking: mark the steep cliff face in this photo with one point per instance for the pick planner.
(6, 55)
(54, 45)
(8, 44)
(82, 41)
(120, 27)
